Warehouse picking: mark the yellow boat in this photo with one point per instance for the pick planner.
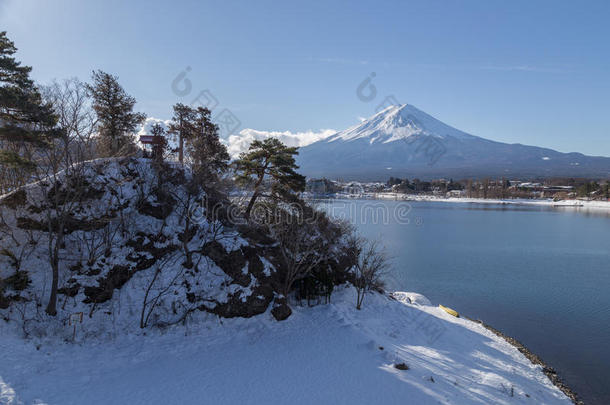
(449, 311)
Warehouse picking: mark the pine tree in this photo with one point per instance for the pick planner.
(26, 122)
(114, 109)
(159, 147)
(269, 159)
(198, 142)
(182, 126)
(209, 157)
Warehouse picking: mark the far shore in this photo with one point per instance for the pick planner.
(587, 204)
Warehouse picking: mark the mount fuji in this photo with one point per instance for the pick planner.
(402, 141)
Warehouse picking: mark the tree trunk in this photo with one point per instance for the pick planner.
(251, 204)
(181, 149)
(255, 195)
(359, 298)
(52, 305)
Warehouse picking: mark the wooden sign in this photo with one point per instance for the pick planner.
(76, 318)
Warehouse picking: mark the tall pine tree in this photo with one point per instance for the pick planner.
(26, 122)
(182, 126)
(199, 143)
(209, 157)
(114, 109)
(159, 147)
(273, 161)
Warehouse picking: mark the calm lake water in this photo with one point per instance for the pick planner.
(539, 274)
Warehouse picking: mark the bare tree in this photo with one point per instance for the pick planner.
(301, 246)
(370, 265)
(186, 204)
(14, 246)
(72, 106)
(61, 185)
(59, 172)
(157, 289)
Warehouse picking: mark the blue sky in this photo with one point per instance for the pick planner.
(533, 72)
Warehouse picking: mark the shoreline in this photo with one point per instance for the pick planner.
(585, 204)
(601, 205)
(536, 360)
(547, 370)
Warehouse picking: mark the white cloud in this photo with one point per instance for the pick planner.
(240, 143)
(148, 124)
(146, 129)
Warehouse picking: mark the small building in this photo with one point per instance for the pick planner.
(456, 193)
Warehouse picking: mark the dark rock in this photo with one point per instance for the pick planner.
(31, 224)
(15, 199)
(139, 245)
(77, 267)
(255, 265)
(162, 209)
(159, 211)
(71, 224)
(257, 234)
(255, 304)
(35, 209)
(232, 263)
(116, 278)
(18, 281)
(4, 301)
(142, 262)
(94, 272)
(281, 310)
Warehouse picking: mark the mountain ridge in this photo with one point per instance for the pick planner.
(403, 141)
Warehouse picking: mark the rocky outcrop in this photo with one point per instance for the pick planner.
(239, 305)
(128, 227)
(116, 278)
(15, 199)
(281, 310)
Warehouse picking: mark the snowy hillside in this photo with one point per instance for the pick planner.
(328, 354)
(402, 141)
(138, 250)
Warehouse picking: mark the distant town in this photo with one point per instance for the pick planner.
(557, 189)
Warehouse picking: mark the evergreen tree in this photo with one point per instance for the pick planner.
(269, 159)
(26, 122)
(209, 157)
(198, 141)
(114, 109)
(182, 126)
(159, 147)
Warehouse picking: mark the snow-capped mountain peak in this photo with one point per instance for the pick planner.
(398, 122)
(428, 148)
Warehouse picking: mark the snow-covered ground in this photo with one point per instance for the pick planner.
(328, 354)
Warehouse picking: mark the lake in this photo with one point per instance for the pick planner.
(538, 274)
